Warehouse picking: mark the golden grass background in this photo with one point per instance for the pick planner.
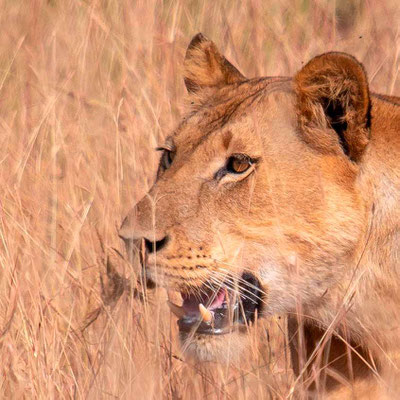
(88, 88)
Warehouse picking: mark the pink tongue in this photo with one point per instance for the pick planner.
(191, 302)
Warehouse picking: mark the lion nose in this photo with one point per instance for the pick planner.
(154, 241)
(155, 245)
(127, 230)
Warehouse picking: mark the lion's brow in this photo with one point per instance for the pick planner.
(223, 112)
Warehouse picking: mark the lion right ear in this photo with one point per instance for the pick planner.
(333, 104)
(205, 67)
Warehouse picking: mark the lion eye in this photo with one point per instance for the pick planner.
(239, 163)
(167, 158)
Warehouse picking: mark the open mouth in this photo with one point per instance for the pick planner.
(216, 310)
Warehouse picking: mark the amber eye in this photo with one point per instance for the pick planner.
(239, 163)
(167, 158)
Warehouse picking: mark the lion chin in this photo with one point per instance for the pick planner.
(225, 349)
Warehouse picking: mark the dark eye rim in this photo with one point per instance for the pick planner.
(244, 158)
(228, 170)
(167, 157)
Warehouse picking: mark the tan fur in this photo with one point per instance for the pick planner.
(206, 67)
(319, 228)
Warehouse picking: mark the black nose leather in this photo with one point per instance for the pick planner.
(158, 245)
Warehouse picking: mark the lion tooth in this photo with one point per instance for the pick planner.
(205, 314)
(178, 311)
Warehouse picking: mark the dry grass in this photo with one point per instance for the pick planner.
(88, 89)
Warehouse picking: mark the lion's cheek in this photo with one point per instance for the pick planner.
(290, 281)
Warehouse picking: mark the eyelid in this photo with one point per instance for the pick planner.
(167, 145)
(223, 176)
(223, 173)
(164, 148)
(242, 156)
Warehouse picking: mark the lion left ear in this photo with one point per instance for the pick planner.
(205, 66)
(333, 97)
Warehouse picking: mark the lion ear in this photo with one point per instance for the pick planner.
(204, 66)
(333, 96)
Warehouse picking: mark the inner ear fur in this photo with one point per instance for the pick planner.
(333, 104)
(205, 67)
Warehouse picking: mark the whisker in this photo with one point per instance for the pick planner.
(236, 282)
(239, 290)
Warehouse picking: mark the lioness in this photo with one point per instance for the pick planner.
(281, 195)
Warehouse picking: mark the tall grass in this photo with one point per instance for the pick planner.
(88, 88)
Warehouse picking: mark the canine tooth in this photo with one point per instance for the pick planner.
(205, 314)
(178, 311)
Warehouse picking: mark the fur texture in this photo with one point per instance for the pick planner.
(316, 219)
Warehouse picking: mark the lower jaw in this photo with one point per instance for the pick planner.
(226, 348)
(209, 331)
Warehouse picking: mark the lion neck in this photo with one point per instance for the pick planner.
(370, 289)
(380, 188)
(378, 260)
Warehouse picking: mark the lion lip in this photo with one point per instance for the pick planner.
(211, 318)
(216, 312)
(219, 323)
(209, 298)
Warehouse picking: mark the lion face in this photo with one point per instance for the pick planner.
(250, 214)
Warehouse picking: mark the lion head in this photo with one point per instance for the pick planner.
(256, 205)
